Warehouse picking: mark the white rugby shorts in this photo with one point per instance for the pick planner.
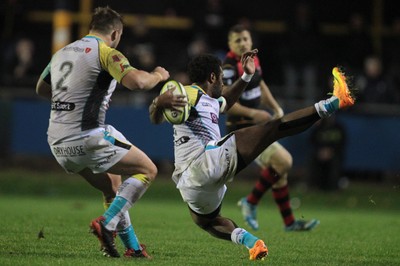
(97, 149)
(202, 184)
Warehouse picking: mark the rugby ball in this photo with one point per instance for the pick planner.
(180, 115)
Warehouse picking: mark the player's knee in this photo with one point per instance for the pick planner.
(203, 225)
(281, 182)
(287, 162)
(282, 162)
(152, 172)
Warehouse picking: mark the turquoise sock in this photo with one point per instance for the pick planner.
(332, 105)
(326, 108)
(115, 207)
(128, 238)
(249, 240)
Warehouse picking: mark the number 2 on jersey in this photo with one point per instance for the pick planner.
(66, 69)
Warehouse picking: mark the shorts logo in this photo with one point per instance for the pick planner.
(214, 118)
(228, 159)
(69, 151)
(87, 50)
(106, 160)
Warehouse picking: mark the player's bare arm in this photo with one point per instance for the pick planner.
(233, 93)
(43, 89)
(139, 79)
(269, 101)
(165, 100)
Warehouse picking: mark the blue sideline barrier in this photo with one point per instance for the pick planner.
(373, 142)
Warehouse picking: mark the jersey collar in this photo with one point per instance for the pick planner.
(94, 37)
(198, 88)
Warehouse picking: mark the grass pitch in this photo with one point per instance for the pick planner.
(45, 218)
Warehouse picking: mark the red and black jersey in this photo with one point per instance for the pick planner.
(251, 96)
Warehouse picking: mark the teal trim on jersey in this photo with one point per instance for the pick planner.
(46, 71)
(211, 147)
(94, 37)
(198, 88)
(109, 138)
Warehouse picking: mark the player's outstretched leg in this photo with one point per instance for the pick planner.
(293, 123)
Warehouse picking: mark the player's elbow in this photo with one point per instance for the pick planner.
(43, 89)
(135, 80)
(156, 117)
(229, 104)
(151, 173)
(141, 85)
(134, 85)
(156, 120)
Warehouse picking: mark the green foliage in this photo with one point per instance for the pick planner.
(359, 226)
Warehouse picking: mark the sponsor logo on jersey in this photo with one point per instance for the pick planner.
(123, 67)
(182, 140)
(214, 118)
(62, 106)
(74, 49)
(116, 58)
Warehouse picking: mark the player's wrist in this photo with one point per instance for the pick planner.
(246, 77)
(279, 112)
(252, 113)
(158, 74)
(154, 102)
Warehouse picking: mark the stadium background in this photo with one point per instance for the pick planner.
(173, 27)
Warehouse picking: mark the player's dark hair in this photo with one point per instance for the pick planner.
(105, 20)
(201, 67)
(238, 28)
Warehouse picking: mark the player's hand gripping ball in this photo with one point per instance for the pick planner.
(181, 114)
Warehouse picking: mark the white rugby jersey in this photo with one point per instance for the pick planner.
(83, 76)
(191, 137)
